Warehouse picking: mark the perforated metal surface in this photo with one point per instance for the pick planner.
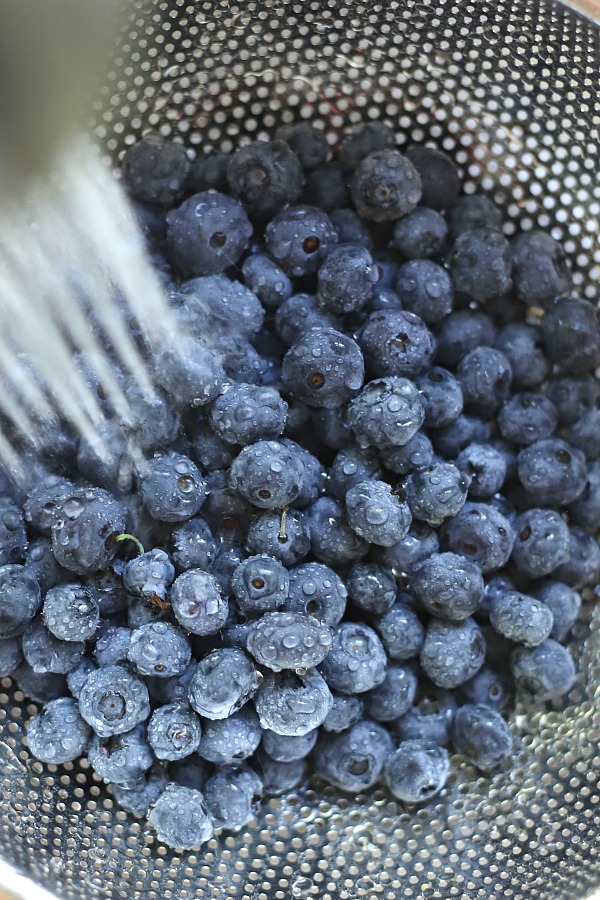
(510, 89)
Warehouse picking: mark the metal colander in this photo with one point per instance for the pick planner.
(509, 88)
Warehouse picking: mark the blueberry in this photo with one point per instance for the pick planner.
(490, 687)
(481, 263)
(481, 735)
(155, 423)
(298, 315)
(229, 557)
(172, 487)
(346, 278)
(216, 302)
(353, 760)
(299, 239)
(155, 170)
(293, 703)
(473, 211)
(439, 176)
(240, 362)
(485, 466)
(351, 466)
(449, 440)
(425, 288)
(461, 332)
(208, 173)
(266, 176)
(573, 396)
(260, 583)
(396, 342)
(376, 514)
(180, 818)
(333, 541)
(159, 649)
(326, 188)
(521, 618)
(366, 138)
(138, 797)
(452, 652)
(223, 681)
(481, 534)
(174, 731)
(401, 631)
(188, 371)
(13, 539)
(415, 454)
(287, 640)
(485, 377)
(393, 697)
(317, 590)
(526, 418)
(209, 451)
(350, 228)
(71, 612)
(207, 234)
(332, 428)
(227, 514)
(267, 474)
(563, 602)
(386, 413)
(149, 576)
(20, 599)
(416, 771)
(230, 796)
(584, 434)
(544, 672)
(264, 278)
(46, 653)
(170, 690)
(43, 501)
(542, 542)
(246, 413)
(345, 712)
(226, 741)
(40, 687)
(287, 748)
(192, 771)
(284, 535)
(436, 492)
(313, 481)
(421, 234)
(113, 701)
(357, 660)
(308, 142)
(372, 588)
(280, 778)
(522, 345)
(10, 655)
(198, 603)
(552, 472)
(84, 528)
(58, 734)
(442, 395)
(323, 369)
(77, 676)
(447, 586)
(420, 542)
(385, 186)
(121, 758)
(112, 645)
(583, 565)
(571, 335)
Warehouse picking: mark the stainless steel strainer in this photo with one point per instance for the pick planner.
(510, 89)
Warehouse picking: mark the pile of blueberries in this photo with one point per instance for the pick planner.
(368, 485)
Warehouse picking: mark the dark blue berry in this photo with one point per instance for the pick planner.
(363, 140)
(293, 703)
(174, 731)
(43, 501)
(58, 734)
(571, 335)
(521, 618)
(351, 466)
(324, 368)
(473, 211)
(526, 418)
(245, 413)
(84, 529)
(279, 778)
(490, 687)
(439, 176)
(288, 640)
(198, 604)
(357, 660)
(393, 697)
(216, 302)
(442, 396)
(449, 440)
(540, 272)
(425, 288)
(139, 797)
(563, 602)
(159, 649)
(376, 513)
(461, 332)
(316, 589)
(447, 586)
(485, 377)
(543, 672)
(351, 229)
(298, 315)
(308, 142)
(299, 239)
(326, 188)
(46, 653)
(266, 280)
(260, 583)
(230, 740)
(10, 655)
(452, 652)
(172, 487)
(287, 748)
(522, 345)
(346, 278)
(385, 186)
(155, 169)
(77, 676)
(40, 687)
(267, 474)
(207, 234)
(372, 588)
(332, 540)
(149, 576)
(481, 263)
(552, 472)
(481, 534)
(208, 172)
(583, 565)
(345, 712)
(121, 758)
(188, 371)
(416, 771)
(415, 454)
(284, 535)
(265, 175)
(222, 683)
(386, 413)
(20, 599)
(401, 631)
(485, 466)
(584, 434)
(420, 542)
(113, 700)
(112, 645)
(353, 760)
(71, 612)
(542, 542)
(230, 796)
(180, 818)
(436, 492)
(421, 234)
(481, 735)
(395, 342)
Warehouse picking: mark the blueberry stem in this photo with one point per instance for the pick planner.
(131, 537)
